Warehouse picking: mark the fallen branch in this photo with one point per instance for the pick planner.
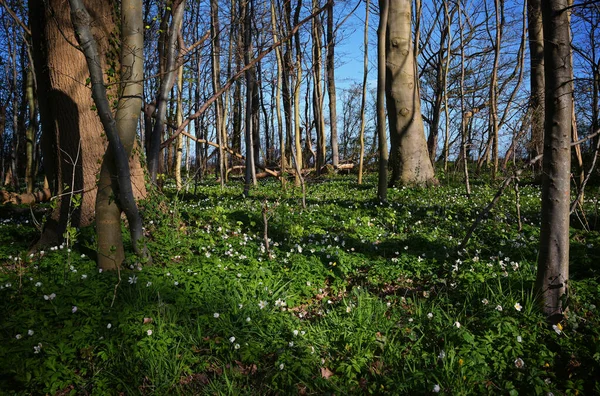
(230, 151)
(25, 198)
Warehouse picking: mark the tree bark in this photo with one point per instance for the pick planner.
(216, 83)
(297, 86)
(553, 259)
(166, 84)
(331, 90)
(30, 170)
(318, 91)
(381, 88)
(69, 125)
(536, 78)
(409, 159)
(363, 101)
(121, 140)
(281, 74)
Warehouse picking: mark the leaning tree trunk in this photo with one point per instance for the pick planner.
(72, 141)
(409, 158)
(553, 259)
(536, 79)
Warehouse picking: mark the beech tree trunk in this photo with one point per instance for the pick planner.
(536, 78)
(318, 92)
(409, 158)
(363, 101)
(381, 88)
(553, 259)
(167, 82)
(331, 90)
(72, 141)
(121, 136)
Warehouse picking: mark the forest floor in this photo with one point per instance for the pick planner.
(352, 297)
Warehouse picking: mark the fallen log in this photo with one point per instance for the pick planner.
(25, 198)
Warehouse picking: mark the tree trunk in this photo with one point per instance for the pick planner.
(216, 83)
(410, 162)
(553, 259)
(363, 101)
(250, 74)
(178, 121)
(154, 152)
(331, 91)
(464, 135)
(318, 92)
(384, 6)
(280, 75)
(72, 141)
(536, 79)
(493, 121)
(121, 136)
(297, 86)
(30, 170)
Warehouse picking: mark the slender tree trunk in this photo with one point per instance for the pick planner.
(216, 83)
(250, 177)
(318, 91)
(331, 90)
(536, 79)
(165, 87)
(493, 125)
(280, 74)
(364, 94)
(553, 259)
(381, 88)
(178, 121)
(297, 87)
(30, 169)
(464, 138)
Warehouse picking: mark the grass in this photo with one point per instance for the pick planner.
(358, 297)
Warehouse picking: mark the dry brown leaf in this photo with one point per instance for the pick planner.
(326, 373)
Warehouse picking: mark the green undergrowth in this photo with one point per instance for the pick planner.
(352, 297)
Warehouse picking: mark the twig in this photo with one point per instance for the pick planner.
(489, 207)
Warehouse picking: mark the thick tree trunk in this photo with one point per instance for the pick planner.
(536, 79)
(72, 141)
(553, 259)
(409, 159)
(121, 137)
